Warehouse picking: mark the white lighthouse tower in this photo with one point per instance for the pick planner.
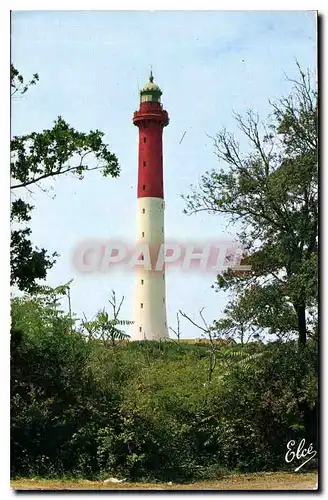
(150, 301)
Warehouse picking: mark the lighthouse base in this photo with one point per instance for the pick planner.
(150, 302)
(150, 308)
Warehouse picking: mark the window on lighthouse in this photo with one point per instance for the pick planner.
(144, 163)
(145, 139)
(142, 282)
(140, 329)
(141, 305)
(143, 210)
(144, 187)
(142, 234)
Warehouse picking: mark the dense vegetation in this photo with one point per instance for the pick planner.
(146, 410)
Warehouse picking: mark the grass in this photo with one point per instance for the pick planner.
(259, 481)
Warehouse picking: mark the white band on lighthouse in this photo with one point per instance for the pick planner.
(150, 304)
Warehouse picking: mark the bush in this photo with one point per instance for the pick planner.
(146, 410)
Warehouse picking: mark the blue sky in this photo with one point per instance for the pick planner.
(91, 64)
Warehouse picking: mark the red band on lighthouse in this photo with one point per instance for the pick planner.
(150, 119)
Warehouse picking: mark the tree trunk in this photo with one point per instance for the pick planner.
(300, 311)
(310, 421)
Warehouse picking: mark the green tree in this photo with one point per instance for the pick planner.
(271, 194)
(239, 322)
(41, 313)
(107, 329)
(35, 158)
(59, 399)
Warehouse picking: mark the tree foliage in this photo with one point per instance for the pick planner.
(42, 312)
(238, 323)
(35, 158)
(107, 329)
(17, 84)
(271, 194)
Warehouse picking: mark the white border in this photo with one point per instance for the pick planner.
(163, 5)
(4, 248)
(4, 173)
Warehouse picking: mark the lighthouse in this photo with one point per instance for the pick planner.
(150, 300)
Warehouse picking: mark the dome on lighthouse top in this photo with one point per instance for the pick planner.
(151, 91)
